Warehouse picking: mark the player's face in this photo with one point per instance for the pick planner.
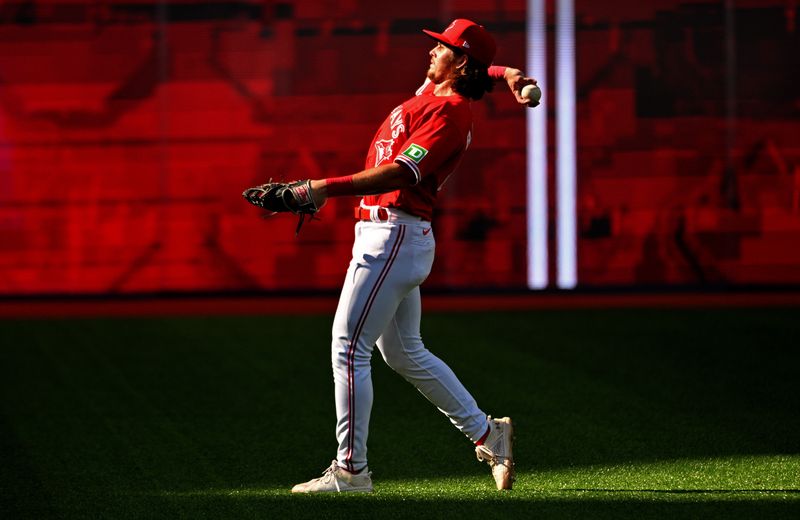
(443, 63)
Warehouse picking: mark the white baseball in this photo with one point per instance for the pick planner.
(531, 92)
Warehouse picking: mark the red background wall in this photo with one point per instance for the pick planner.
(129, 129)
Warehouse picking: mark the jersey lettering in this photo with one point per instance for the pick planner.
(396, 122)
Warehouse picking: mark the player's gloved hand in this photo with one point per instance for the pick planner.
(280, 197)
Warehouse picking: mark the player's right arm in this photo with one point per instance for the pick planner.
(515, 79)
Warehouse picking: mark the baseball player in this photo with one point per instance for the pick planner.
(414, 152)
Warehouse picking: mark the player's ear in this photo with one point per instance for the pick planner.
(461, 63)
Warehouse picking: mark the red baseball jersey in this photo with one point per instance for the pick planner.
(428, 134)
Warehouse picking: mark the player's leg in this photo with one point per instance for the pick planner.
(375, 283)
(403, 350)
(379, 276)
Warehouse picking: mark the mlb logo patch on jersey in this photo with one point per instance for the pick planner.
(415, 152)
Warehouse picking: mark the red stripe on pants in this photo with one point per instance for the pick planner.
(351, 353)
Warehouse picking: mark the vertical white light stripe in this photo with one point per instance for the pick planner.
(536, 124)
(566, 185)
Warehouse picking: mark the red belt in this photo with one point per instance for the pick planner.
(366, 214)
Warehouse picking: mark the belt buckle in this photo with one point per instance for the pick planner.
(378, 214)
(374, 214)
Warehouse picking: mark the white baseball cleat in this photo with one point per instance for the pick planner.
(497, 451)
(336, 479)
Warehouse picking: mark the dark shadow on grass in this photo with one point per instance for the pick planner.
(125, 406)
(21, 490)
(605, 387)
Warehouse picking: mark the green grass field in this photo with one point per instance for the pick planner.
(641, 414)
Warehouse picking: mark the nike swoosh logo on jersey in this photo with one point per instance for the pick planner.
(426, 231)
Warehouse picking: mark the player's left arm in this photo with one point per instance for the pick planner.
(306, 197)
(515, 79)
(372, 181)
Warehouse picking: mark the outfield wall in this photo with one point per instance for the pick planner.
(128, 130)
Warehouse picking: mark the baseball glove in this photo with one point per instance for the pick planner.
(281, 197)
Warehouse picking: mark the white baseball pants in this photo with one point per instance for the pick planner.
(380, 304)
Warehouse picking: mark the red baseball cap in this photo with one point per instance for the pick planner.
(470, 38)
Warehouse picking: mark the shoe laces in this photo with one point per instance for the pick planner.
(486, 452)
(330, 472)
